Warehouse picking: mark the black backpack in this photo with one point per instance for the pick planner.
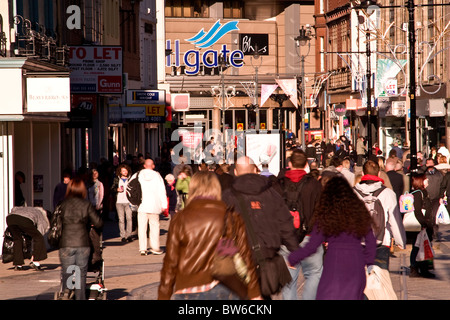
(134, 191)
(291, 195)
(375, 207)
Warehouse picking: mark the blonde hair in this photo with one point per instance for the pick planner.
(204, 184)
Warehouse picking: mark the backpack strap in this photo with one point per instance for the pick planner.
(299, 186)
(375, 193)
(256, 247)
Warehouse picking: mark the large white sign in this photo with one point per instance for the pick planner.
(48, 95)
(264, 149)
(96, 69)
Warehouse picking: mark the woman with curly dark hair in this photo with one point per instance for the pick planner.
(342, 220)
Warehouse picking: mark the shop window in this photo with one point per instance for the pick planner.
(263, 119)
(240, 120)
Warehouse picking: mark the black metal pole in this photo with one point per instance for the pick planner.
(412, 85)
(368, 93)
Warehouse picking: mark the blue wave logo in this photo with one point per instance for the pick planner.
(206, 39)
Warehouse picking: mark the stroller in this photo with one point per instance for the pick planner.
(95, 279)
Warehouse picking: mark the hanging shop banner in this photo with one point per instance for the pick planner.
(180, 101)
(386, 83)
(266, 91)
(289, 87)
(83, 108)
(96, 69)
(150, 104)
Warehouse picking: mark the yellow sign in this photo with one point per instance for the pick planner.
(240, 127)
(155, 110)
(263, 126)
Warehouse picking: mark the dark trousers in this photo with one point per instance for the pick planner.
(18, 225)
(382, 257)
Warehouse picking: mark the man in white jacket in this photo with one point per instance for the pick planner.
(370, 182)
(154, 201)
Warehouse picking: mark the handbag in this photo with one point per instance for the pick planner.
(8, 246)
(273, 272)
(55, 232)
(228, 266)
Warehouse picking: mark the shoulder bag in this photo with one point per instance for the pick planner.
(228, 266)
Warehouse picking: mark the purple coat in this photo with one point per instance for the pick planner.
(343, 276)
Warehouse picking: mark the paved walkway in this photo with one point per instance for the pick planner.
(129, 276)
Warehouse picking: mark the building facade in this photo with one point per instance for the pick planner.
(224, 96)
(346, 29)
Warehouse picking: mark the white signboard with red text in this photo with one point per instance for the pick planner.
(96, 69)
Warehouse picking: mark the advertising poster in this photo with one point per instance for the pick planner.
(96, 69)
(264, 148)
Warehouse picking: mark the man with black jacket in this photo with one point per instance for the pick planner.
(269, 215)
(307, 196)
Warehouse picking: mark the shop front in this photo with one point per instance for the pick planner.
(35, 100)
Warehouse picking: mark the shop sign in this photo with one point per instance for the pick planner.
(180, 101)
(250, 41)
(83, 108)
(96, 69)
(209, 58)
(48, 95)
(151, 102)
(340, 110)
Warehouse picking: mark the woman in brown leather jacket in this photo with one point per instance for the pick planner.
(191, 243)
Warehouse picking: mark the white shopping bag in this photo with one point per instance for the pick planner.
(379, 285)
(442, 216)
(426, 252)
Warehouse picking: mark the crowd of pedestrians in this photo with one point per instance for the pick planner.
(310, 215)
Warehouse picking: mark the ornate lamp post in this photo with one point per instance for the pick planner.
(302, 40)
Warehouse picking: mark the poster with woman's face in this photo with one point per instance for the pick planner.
(264, 148)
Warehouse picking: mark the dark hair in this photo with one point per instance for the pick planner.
(340, 210)
(298, 159)
(20, 174)
(417, 181)
(371, 167)
(123, 165)
(76, 188)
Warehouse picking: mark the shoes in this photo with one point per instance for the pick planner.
(36, 267)
(414, 273)
(427, 274)
(129, 239)
(124, 240)
(157, 252)
(18, 268)
(144, 253)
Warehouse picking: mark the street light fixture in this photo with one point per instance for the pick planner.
(223, 65)
(302, 40)
(256, 56)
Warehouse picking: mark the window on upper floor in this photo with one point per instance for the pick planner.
(233, 9)
(187, 8)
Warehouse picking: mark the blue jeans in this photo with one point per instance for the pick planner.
(219, 292)
(312, 271)
(74, 265)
